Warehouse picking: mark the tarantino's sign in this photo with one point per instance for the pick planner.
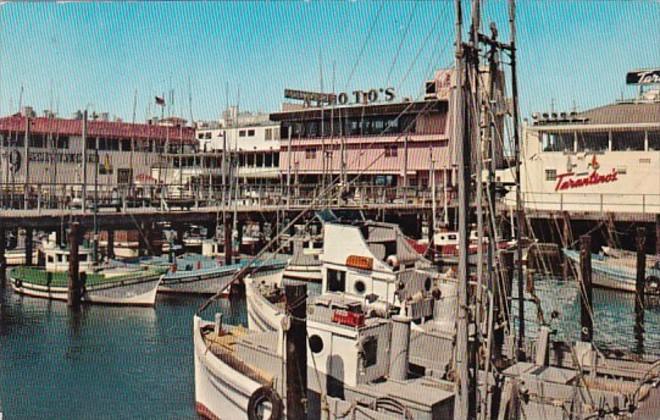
(343, 98)
(570, 180)
(48, 157)
(643, 77)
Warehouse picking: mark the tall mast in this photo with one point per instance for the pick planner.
(462, 406)
(519, 215)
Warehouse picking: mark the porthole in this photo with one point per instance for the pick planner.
(360, 287)
(316, 344)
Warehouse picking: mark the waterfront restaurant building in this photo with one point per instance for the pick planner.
(392, 143)
(605, 159)
(45, 154)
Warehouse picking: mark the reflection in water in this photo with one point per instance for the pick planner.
(101, 361)
(614, 313)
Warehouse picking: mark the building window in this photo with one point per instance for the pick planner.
(391, 151)
(558, 142)
(622, 170)
(628, 140)
(124, 175)
(241, 133)
(250, 133)
(126, 145)
(654, 140)
(550, 174)
(310, 153)
(336, 280)
(62, 143)
(268, 135)
(592, 142)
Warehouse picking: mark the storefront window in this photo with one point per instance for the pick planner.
(627, 140)
(654, 140)
(592, 142)
(557, 142)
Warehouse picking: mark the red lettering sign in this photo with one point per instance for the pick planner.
(568, 180)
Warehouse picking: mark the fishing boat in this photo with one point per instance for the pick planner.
(378, 269)
(193, 237)
(15, 246)
(195, 274)
(304, 265)
(358, 366)
(618, 273)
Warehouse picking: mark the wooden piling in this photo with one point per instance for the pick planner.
(585, 290)
(28, 246)
(110, 249)
(501, 301)
(640, 241)
(3, 258)
(73, 285)
(296, 351)
(657, 235)
(228, 247)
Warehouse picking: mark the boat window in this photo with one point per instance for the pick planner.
(654, 140)
(592, 142)
(369, 351)
(550, 174)
(359, 286)
(628, 140)
(557, 142)
(50, 259)
(453, 237)
(427, 284)
(316, 344)
(336, 280)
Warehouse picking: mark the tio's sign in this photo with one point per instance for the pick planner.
(342, 98)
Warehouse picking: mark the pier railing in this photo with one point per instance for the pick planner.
(121, 196)
(589, 202)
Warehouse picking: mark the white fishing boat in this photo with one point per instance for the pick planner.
(617, 273)
(305, 264)
(358, 366)
(194, 274)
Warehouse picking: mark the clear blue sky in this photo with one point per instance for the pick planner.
(100, 53)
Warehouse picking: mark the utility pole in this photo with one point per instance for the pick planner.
(26, 148)
(462, 400)
(84, 161)
(475, 138)
(519, 214)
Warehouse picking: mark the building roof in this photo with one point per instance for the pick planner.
(623, 113)
(360, 110)
(96, 128)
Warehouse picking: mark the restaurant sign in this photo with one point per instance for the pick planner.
(342, 98)
(643, 77)
(570, 180)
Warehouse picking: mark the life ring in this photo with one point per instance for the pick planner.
(261, 395)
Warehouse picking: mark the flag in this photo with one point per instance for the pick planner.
(160, 101)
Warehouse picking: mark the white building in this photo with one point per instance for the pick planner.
(606, 159)
(252, 139)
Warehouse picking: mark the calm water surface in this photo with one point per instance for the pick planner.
(99, 362)
(120, 362)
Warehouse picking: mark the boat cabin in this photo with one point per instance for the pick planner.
(57, 257)
(374, 261)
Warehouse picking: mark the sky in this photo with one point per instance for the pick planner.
(68, 55)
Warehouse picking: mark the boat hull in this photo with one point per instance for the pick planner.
(128, 292)
(221, 392)
(197, 283)
(262, 315)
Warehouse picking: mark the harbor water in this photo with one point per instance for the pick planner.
(121, 362)
(100, 362)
